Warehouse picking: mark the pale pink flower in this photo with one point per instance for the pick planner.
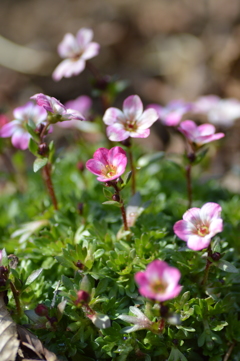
(199, 225)
(172, 114)
(201, 134)
(52, 105)
(131, 122)
(82, 104)
(159, 281)
(219, 111)
(17, 128)
(107, 164)
(140, 321)
(3, 120)
(75, 51)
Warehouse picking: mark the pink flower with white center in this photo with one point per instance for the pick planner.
(131, 122)
(159, 281)
(82, 104)
(107, 164)
(171, 115)
(75, 51)
(199, 225)
(201, 134)
(52, 105)
(17, 128)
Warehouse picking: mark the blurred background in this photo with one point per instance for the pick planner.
(166, 49)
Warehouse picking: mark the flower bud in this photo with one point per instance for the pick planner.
(82, 297)
(126, 142)
(191, 157)
(163, 310)
(79, 265)
(216, 256)
(39, 128)
(116, 197)
(80, 166)
(80, 208)
(41, 310)
(43, 149)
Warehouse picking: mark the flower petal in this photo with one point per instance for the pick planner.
(132, 107)
(210, 211)
(147, 118)
(8, 129)
(90, 51)
(206, 129)
(84, 36)
(94, 166)
(68, 46)
(113, 115)
(183, 230)
(113, 152)
(20, 139)
(82, 104)
(197, 243)
(192, 215)
(117, 133)
(101, 155)
(140, 133)
(216, 226)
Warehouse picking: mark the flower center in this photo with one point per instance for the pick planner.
(158, 286)
(109, 170)
(131, 125)
(202, 230)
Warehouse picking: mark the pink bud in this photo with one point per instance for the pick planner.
(41, 310)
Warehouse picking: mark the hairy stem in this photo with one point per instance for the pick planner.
(133, 184)
(48, 180)
(16, 299)
(124, 217)
(229, 351)
(208, 265)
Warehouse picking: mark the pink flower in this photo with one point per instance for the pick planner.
(159, 281)
(82, 104)
(3, 120)
(171, 115)
(201, 134)
(52, 105)
(199, 225)
(17, 128)
(219, 111)
(107, 164)
(132, 122)
(75, 51)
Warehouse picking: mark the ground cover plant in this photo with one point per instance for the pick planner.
(109, 252)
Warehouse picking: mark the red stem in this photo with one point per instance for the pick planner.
(133, 183)
(48, 180)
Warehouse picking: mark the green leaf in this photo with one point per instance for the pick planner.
(126, 179)
(98, 253)
(107, 193)
(149, 158)
(176, 355)
(226, 266)
(33, 147)
(200, 155)
(33, 276)
(31, 130)
(102, 286)
(39, 163)
(112, 203)
(4, 260)
(68, 284)
(64, 262)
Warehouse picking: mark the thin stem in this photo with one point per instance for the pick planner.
(43, 132)
(133, 184)
(189, 184)
(16, 299)
(48, 180)
(124, 217)
(95, 72)
(208, 265)
(229, 351)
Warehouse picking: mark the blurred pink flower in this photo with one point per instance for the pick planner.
(52, 105)
(171, 115)
(75, 51)
(82, 104)
(201, 134)
(219, 111)
(132, 122)
(17, 128)
(199, 225)
(107, 164)
(159, 281)
(3, 120)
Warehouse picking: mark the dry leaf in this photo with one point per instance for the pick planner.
(8, 334)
